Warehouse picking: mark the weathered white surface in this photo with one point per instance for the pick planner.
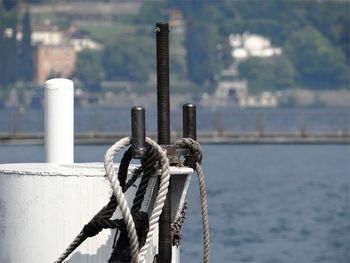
(59, 121)
(44, 206)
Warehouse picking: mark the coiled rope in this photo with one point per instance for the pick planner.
(194, 161)
(137, 255)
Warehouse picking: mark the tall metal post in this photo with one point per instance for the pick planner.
(163, 106)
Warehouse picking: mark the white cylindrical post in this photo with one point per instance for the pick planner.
(59, 121)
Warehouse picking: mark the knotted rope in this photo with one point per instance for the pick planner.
(118, 186)
(194, 161)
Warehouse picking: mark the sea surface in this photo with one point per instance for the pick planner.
(267, 203)
(208, 119)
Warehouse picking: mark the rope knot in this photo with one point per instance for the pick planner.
(195, 148)
(92, 228)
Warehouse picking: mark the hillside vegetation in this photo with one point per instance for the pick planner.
(314, 36)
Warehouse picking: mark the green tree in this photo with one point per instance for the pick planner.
(276, 73)
(8, 45)
(319, 64)
(9, 4)
(26, 50)
(89, 69)
(202, 41)
(129, 59)
(278, 20)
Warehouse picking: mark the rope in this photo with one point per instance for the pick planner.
(136, 173)
(119, 185)
(204, 209)
(76, 243)
(194, 161)
(121, 249)
(149, 167)
(118, 193)
(101, 219)
(159, 202)
(176, 226)
(134, 223)
(160, 199)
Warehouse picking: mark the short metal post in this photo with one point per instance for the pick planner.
(189, 121)
(138, 133)
(163, 106)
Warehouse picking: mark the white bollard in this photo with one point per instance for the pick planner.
(59, 121)
(44, 206)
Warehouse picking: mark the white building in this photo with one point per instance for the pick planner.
(49, 35)
(45, 35)
(81, 44)
(233, 91)
(252, 45)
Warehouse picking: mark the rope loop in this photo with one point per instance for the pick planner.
(138, 255)
(194, 161)
(195, 148)
(118, 193)
(161, 196)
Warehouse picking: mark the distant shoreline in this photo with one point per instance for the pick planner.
(91, 138)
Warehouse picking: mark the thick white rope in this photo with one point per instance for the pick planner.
(136, 255)
(159, 203)
(118, 193)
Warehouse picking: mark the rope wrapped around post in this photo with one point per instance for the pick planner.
(136, 254)
(194, 161)
(118, 198)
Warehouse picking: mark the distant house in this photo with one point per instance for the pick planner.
(252, 45)
(56, 50)
(233, 91)
(47, 35)
(41, 35)
(80, 40)
(54, 61)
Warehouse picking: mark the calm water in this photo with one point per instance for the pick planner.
(231, 119)
(267, 203)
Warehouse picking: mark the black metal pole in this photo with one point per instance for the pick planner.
(189, 121)
(163, 103)
(163, 106)
(138, 133)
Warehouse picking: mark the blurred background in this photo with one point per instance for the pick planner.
(254, 68)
